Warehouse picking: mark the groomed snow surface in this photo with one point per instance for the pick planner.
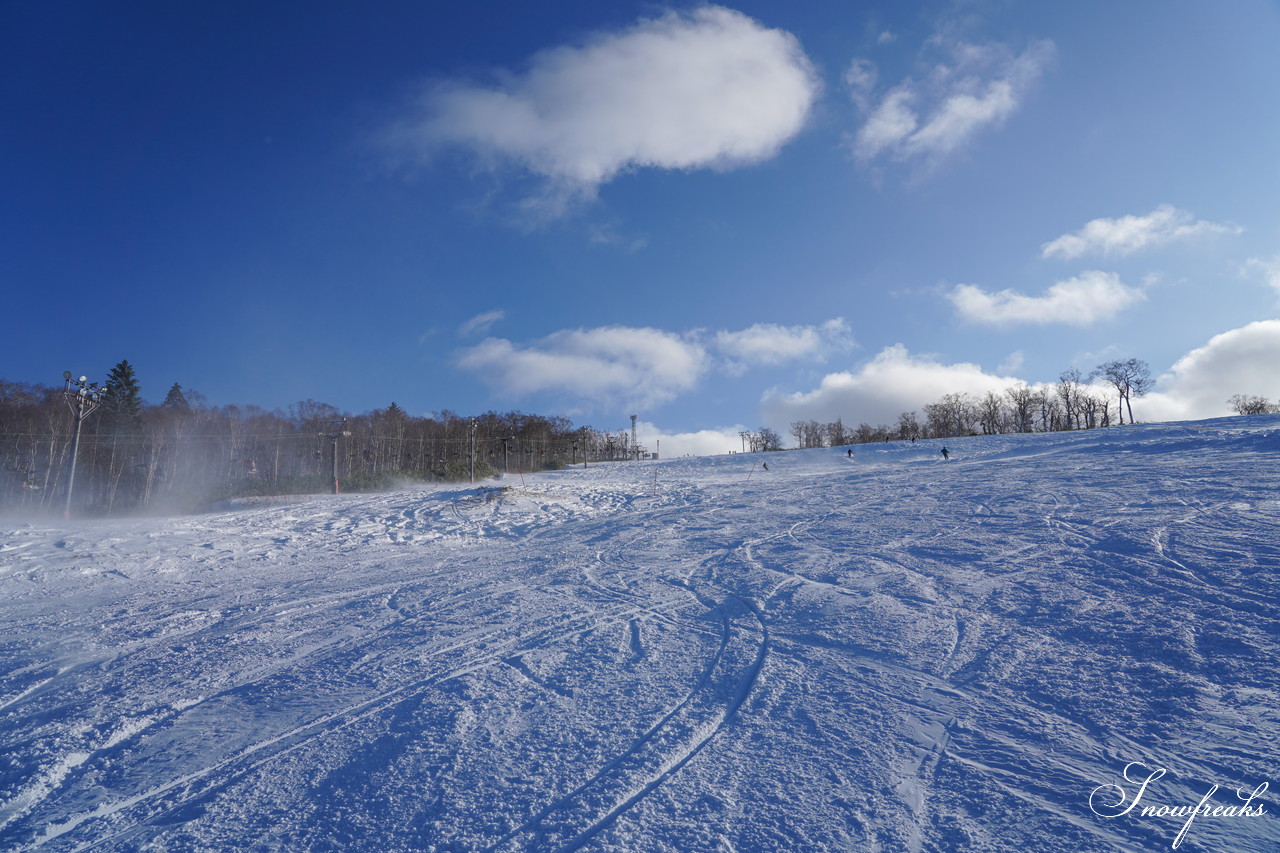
(886, 652)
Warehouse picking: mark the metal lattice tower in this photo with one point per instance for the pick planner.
(635, 445)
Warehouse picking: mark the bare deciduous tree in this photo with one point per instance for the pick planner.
(1243, 404)
(1131, 378)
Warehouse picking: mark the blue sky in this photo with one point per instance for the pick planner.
(716, 217)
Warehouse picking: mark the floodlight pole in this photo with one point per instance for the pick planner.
(83, 399)
(473, 452)
(340, 431)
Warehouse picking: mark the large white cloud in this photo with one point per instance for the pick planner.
(703, 442)
(891, 383)
(1128, 234)
(711, 88)
(1081, 301)
(772, 344)
(637, 366)
(1240, 361)
(976, 87)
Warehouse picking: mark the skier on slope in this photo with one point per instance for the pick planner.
(945, 455)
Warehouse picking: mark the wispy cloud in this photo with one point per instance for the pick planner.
(973, 88)
(708, 89)
(1081, 301)
(1128, 234)
(1269, 270)
(481, 323)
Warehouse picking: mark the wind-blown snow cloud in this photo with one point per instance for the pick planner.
(977, 87)
(1081, 301)
(771, 344)
(639, 366)
(1239, 361)
(1129, 234)
(893, 382)
(708, 89)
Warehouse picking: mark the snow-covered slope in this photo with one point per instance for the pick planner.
(878, 652)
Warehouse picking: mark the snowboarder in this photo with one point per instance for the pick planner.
(945, 455)
(850, 452)
(765, 465)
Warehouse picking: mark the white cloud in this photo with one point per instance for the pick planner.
(640, 366)
(712, 88)
(637, 366)
(1129, 234)
(1240, 361)
(861, 77)
(480, 324)
(1081, 301)
(978, 87)
(771, 344)
(1269, 270)
(891, 383)
(704, 442)
(1013, 363)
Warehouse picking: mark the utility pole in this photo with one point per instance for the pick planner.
(505, 442)
(635, 445)
(339, 431)
(473, 452)
(82, 399)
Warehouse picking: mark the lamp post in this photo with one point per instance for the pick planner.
(339, 431)
(83, 398)
(473, 452)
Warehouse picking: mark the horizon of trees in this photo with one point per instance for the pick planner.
(184, 454)
(1074, 402)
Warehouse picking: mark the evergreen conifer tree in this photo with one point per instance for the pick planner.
(122, 400)
(175, 399)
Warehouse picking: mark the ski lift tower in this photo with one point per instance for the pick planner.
(635, 445)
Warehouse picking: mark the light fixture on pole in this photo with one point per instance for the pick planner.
(339, 431)
(83, 398)
(473, 452)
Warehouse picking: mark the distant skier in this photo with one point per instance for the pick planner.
(945, 455)
(765, 465)
(850, 452)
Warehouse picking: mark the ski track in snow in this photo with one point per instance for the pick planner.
(886, 652)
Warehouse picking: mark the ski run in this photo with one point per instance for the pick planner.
(1051, 642)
